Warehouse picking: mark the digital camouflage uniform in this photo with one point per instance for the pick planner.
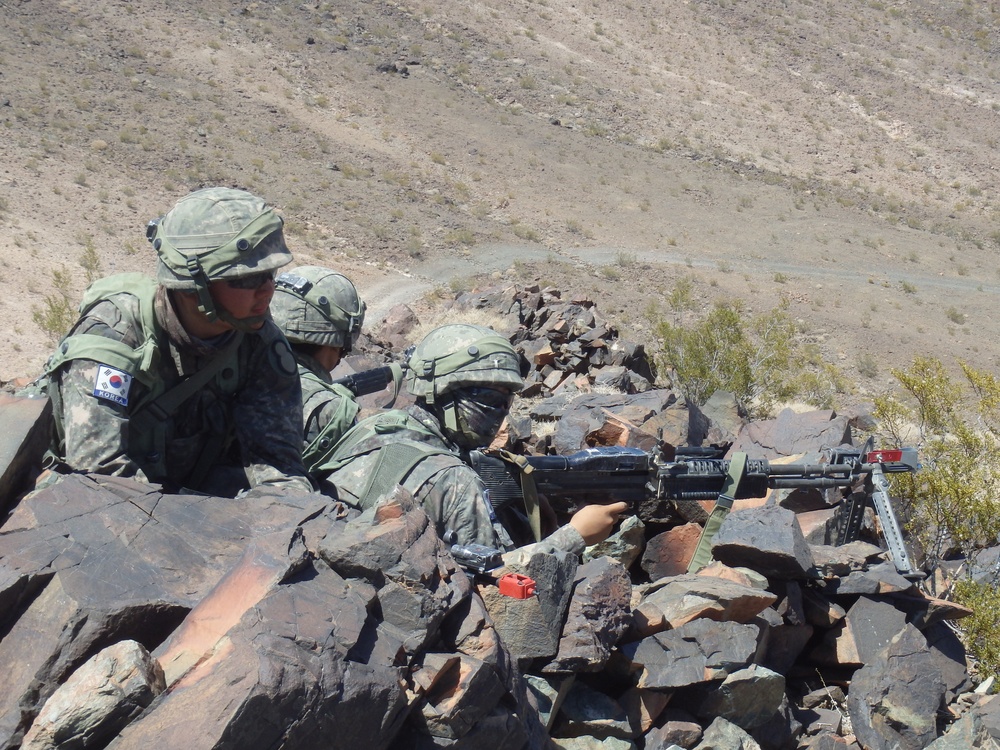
(425, 457)
(317, 307)
(240, 425)
(328, 410)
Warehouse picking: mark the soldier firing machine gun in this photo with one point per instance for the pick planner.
(677, 476)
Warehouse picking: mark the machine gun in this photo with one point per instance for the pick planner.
(613, 474)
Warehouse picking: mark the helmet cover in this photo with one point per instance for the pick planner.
(459, 355)
(220, 233)
(314, 305)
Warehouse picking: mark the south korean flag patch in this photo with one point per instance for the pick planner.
(112, 384)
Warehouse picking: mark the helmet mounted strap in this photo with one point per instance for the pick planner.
(427, 373)
(205, 302)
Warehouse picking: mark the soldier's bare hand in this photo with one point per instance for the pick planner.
(595, 522)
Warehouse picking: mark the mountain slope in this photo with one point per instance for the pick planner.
(840, 156)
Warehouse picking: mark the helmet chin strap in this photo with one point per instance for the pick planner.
(447, 415)
(245, 325)
(207, 306)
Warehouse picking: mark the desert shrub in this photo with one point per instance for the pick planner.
(57, 313)
(951, 503)
(979, 629)
(757, 358)
(90, 261)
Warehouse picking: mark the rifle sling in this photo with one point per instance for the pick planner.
(703, 552)
(528, 491)
(150, 415)
(397, 382)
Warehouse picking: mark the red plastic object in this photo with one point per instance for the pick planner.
(884, 456)
(516, 586)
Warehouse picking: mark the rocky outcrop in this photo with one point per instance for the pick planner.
(132, 618)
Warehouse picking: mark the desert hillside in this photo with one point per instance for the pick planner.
(838, 155)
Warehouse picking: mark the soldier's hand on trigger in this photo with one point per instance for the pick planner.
(595, 522)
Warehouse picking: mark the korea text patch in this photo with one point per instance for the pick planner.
(112, 384)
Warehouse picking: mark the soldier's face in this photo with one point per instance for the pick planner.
(243, 303)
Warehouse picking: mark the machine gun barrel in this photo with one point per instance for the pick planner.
(367, 381)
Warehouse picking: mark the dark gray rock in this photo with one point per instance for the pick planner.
(464, 695)
(696, 652)
(554, 574)
(876, 579)
(978, 728)
(676, 728)
(625, 545)
(599, 614)
(767, 539)
(722, 418)
(949, 656)
(894, 699)
(748, 697)
(724, 735)
(98, 700)
(792, 433)
(868, 628)
(589, 712)
(842, 560)
(393, 547)
(24, 437)
(681, 599)
(548, 694)
(91, 561)
(281, 676)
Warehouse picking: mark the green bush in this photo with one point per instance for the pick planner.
(951, 503)
(953, 499)
(758, 359)
(57, 313)
(979, 630)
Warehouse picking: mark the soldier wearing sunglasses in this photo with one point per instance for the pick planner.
(183, 380)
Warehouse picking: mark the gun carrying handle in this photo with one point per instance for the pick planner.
(703, 551)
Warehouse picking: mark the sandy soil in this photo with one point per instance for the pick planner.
(840, 157)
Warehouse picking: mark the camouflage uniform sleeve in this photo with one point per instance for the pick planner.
(455, 500)
(268, 422)
(96, 430)
(329, 409)
(564, 539)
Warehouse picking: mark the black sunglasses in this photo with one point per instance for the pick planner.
(253, 281)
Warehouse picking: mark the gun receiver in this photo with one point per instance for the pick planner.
(612, 474)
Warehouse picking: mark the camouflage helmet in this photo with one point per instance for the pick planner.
(314, 305)
(461, 355)
(217, 233)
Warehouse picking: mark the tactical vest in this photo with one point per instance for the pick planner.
(398, 455)
(150, 418)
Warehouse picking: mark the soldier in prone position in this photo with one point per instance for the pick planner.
(464, 378)
(321, 315)
(183, 380)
